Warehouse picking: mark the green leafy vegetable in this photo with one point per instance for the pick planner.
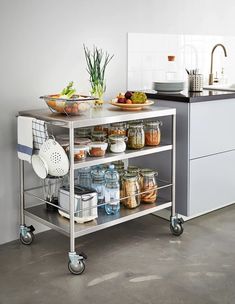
(97, 62)
(69, 91)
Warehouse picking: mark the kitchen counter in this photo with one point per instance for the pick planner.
(190, 97)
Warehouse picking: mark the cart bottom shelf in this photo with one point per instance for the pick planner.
(60, 224)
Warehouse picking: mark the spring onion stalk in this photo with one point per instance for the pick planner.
(97, 61)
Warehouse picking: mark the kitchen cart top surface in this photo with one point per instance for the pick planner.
(99, 116)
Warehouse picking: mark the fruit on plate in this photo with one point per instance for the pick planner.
(138, 98)
(128, 95)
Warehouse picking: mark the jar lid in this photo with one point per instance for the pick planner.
(133, 169)
(148, 172)
(98, 144)
(80, 147)
(99, 133)
(136, 125)
(130, 177)
(117, 137)
(82, 141)
(118, 124)
(155, 123)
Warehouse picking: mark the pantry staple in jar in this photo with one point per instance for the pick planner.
(99, 136)
(118, 128)
(119, 166)
(136, 136)
(117, 143)
(131, 190)
(148, 186)
(152, 133)
(97, 149)
(83, 132)
(104, 128)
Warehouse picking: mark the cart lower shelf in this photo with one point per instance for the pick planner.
(60, 224)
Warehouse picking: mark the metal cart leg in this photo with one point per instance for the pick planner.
(26, 232)
(76, 262)
(176, 223)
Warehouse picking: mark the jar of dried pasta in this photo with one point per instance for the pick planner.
(131, 190)
(153, 133)
(148, 186)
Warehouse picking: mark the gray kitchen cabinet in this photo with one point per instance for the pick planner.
(211, 182)
(205, 155)
(212, 127)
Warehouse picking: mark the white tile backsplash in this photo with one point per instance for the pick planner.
(147, 57)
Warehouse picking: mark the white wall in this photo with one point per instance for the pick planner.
(41, 50)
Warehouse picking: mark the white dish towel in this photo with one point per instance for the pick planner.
(25, 138)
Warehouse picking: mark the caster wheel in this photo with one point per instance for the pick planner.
(27, 239)
(79, 269)
(177, 229)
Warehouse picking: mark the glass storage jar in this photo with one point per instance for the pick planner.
(104, 128)
(131, 190)
(112, 191)
(148, 186)
(119, 166)
(153, 133)
(118, 128)
(84, 132)
(99, 136)
(98, 182)
(117, 143)
(136, 136)
(84, 177)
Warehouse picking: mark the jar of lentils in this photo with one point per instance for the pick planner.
(152, 133)
(136, 137)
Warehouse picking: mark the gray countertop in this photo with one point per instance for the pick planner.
(185, 96)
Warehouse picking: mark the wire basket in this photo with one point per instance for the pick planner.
(76, 105)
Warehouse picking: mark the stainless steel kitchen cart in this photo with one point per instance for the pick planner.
(103, 116)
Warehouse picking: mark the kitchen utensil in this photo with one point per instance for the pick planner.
(85, 203)
(40, 166)
(195, 82)
(132, 107)
(73, 106)
(51, 186)
(55, 157)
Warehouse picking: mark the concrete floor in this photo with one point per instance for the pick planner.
(136, 262)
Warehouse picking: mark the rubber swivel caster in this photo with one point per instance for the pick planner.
(26, 235)
(77, 268)
(176, 226)
(76, 264)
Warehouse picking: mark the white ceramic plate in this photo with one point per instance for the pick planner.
(133, 106)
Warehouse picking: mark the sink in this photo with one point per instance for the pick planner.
(221, 87)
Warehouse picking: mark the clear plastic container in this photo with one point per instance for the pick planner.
(136, 138)
(97, 148)
(153, 133)
(112, 191)
(131, 190)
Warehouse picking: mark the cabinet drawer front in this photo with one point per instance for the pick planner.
(212, 127)
(212, 182)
